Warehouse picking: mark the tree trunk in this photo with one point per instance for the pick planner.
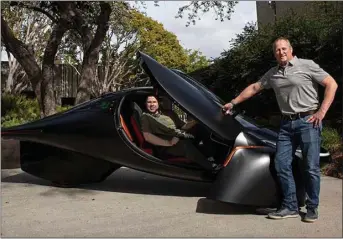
(47, 91)
(91, 56)
(26, 59)
(12, 67)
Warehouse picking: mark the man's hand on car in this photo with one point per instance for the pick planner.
(227, 108)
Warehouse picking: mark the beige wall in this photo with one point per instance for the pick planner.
(265, 13)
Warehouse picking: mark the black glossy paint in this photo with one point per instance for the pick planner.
(246, 180)
(93, 130)
(250, 179)
(193, 98)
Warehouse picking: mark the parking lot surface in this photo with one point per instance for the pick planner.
(135, 204)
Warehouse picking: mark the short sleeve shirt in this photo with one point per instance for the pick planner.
(296, 85)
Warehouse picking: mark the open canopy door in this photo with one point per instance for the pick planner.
(192, 96)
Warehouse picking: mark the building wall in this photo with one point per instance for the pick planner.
(267, 15)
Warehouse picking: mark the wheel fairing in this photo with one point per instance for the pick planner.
(247, 180)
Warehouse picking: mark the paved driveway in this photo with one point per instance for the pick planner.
(135, 204)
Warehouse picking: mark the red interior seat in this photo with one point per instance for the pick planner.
(139, 136)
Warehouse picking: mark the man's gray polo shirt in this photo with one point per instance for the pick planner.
(296, 85)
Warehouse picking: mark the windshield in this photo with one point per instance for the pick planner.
(199, 86)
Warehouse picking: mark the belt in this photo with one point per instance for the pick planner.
(298, 115)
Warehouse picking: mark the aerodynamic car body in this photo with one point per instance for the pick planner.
(88, 142)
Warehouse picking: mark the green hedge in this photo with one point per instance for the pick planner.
(17, 109)
(331, 140)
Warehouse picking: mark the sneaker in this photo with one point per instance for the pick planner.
(311, 215)
(283, 213)
(211, 159)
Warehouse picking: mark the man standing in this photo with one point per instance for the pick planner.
(295, 83)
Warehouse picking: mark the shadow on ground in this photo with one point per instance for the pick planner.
(134, 182)
(208, 206)
(127, 181)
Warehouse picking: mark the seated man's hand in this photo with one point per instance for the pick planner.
(190, 124)
(174, 141)
(192, 121)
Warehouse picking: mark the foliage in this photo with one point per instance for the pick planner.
(157, 42)
(131, 32)
(195, 9)
(17, 109)
(33, 29)
(60, 109)
(313, 36)
(331, 140)
(196, 61)
(222, 9)
(117, 54)
(86, 20)
(71, 32)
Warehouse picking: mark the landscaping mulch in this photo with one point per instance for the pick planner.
(335, 168)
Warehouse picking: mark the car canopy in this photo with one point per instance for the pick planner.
(192, 96)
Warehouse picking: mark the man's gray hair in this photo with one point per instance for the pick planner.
(281, 39)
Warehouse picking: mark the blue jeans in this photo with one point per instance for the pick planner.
(294, 133)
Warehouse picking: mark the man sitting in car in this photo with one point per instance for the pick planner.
(160, 130)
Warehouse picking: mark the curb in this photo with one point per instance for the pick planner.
(10, 154)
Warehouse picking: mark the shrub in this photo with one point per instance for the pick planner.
(331, 140)
(60, 109)
(17, 109)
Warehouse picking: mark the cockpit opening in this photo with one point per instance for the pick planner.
(130, 113)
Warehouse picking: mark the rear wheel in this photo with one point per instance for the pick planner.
(63, 168)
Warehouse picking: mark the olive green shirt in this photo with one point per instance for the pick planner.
(162, 126)
(295, 85)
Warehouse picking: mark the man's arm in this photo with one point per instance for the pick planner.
(330, 90)
(247, 93)
(155, 140)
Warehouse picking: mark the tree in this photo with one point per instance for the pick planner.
(78, 16)
(33, 29)
(158, 42)
(118, 67)
(40, 78)
(222, 9)
(91, 43)
(116, 56)
(316, 36)
(87, 21)
(196, 61)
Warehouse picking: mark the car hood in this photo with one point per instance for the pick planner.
(193, 97)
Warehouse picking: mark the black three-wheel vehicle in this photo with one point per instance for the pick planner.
(90, 141)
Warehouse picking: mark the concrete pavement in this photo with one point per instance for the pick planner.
(136, 204)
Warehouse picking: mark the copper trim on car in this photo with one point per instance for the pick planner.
(125, 128)
(228, 159)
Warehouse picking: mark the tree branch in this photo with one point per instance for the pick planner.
(37, 9)
(20, 52)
